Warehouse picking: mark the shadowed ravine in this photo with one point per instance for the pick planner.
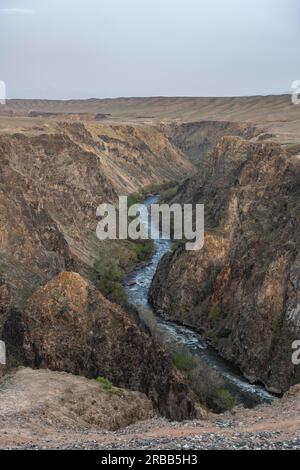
(137, 286)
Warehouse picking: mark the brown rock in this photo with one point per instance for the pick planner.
(242, 289)
(69, 401)
(69, 326)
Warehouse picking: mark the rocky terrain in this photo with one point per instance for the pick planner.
(242, 289)
(72, 401)
(52, 180)
(47, 410)
(197, 139)
(53, 177)
(69, 326)
(58, 162)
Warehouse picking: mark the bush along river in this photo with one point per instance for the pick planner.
(137, 286)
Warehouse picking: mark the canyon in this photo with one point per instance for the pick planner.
(60, 160)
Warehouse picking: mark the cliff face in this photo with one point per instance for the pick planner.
(52, 179)
(242, 289)
(69, 326)
(197, 139)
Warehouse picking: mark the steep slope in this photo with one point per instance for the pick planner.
(242, 289)
(52, 179)
(197, 139)
(47, 397)
(69, 326)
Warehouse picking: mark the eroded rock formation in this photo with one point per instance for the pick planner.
(69, 326)
(242, 289)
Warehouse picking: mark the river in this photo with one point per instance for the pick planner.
(137, 285)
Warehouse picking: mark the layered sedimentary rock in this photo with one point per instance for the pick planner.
(197, 139)
(52, 179)
(53, 176)
(242, 289)
(69, 326)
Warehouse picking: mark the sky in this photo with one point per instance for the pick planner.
(63, 49)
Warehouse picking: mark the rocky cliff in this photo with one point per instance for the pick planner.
(69, 326)
(197, 139)
(52, 179)
(53, 176)
(242, 289)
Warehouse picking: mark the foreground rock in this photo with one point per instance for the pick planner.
(69, 401)
(69, 326)
(242, 289)
(29, 424)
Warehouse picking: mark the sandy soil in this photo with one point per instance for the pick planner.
(30, 424)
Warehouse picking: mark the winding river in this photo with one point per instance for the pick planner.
(137, 285)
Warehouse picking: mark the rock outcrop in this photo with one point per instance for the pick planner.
(52, 179)
(242, 289)
(69, 326)
(197, 139)
(67, 400)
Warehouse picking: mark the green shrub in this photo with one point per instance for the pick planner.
(144, 249)
(205, 382)
(184, 361)
(107, 385)
(223, 400)
(109, 388)
(167, 195)
(109, 276)
(136, 198)
(178, 244)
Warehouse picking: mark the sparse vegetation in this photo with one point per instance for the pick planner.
(136, 198)
(107, 385)
(168, 194)
(144, 249)
(184, 361)
(109, 276)
(109, 388)
(215, 313)
(205, 382)
(166, 191)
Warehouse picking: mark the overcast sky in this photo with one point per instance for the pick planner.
(109, 48)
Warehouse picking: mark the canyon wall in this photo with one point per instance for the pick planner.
(52, 178)
(197, 139)
(242, 289)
